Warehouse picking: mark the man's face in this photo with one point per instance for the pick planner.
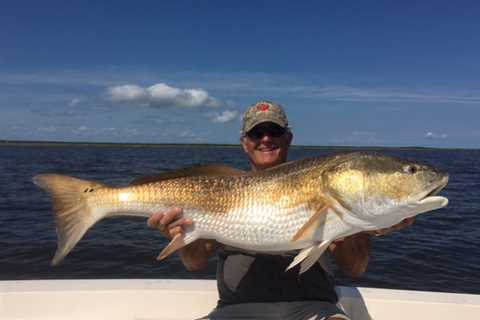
(266, 145)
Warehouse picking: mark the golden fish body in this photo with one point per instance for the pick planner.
(304, 204)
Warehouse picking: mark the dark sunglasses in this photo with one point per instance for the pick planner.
(271, 131)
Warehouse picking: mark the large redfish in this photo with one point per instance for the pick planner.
(304, 204)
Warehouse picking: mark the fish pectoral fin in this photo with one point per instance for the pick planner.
(200, 170)
(308, 229)
(313, 257)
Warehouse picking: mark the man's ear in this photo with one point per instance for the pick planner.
(242, 142)
(290, 137)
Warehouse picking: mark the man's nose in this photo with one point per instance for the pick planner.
(266, 137)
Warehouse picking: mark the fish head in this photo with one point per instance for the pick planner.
(383, 190)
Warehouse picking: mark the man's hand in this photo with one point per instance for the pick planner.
(171, 223)
(381, 232)
(352, 254)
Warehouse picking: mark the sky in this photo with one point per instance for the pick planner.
(359, 73)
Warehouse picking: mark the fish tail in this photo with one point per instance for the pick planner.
(73, 215)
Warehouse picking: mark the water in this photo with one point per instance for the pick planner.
(440, 252)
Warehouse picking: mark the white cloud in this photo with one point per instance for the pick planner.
(86, 131)
(47, 129)
(223, 117)
(131, 132)
(163, 95)
(432, 135)
(82, 130)
(74, 102)
(249, 84)
(127, 93)
(346, 93)
(187, 134)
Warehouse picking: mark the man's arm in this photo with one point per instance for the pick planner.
(352, 254)
(193, 256)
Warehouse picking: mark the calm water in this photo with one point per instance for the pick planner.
(440, 252)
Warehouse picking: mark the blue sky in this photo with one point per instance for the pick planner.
(383, 73)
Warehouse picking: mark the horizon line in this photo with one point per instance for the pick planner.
(12, 142)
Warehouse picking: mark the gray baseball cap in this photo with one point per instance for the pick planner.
(263, 111)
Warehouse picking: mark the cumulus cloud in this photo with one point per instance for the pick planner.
(223, 117)
(432, 135)
(163, 95)
(127, 93)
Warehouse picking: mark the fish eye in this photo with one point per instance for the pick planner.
(410, 169)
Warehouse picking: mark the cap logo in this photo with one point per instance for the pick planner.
(263, 107)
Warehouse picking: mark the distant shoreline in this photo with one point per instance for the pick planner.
(31, 143)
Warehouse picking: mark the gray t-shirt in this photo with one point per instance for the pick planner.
(244, 277)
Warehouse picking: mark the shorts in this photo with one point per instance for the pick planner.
(294, 310)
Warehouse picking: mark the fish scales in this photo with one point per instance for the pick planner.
(229, 207)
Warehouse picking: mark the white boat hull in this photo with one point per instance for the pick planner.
(190, 299)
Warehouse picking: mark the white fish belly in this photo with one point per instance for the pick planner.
(334, 228)
(258, 228)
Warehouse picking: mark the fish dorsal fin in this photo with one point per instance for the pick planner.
(218, 170)
(288, 164)
(293, 164)
(320, 208)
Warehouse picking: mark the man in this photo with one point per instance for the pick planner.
(256, 286)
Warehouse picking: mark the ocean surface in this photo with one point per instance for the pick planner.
(440, 252)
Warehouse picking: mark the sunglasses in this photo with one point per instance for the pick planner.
(258, 133)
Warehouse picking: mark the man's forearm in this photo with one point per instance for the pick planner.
(352, 254)
(195, 256)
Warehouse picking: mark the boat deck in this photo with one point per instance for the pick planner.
(190, 299)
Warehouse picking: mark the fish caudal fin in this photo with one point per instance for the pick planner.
(73, 215)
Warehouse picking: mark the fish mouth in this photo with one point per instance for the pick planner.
(431, 194)
(436, 189)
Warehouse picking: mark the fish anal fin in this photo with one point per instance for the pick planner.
(308, 256)
(176, 243)
(308, 229)
(200, 170)
(313, 257)
(302, 255)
